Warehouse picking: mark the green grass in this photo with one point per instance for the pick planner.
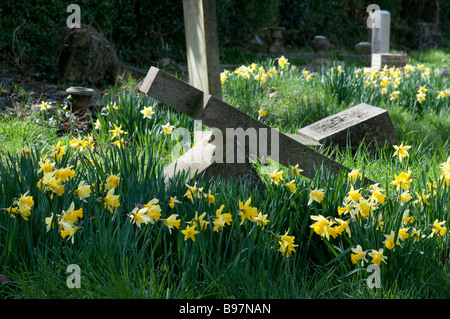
(119, 260)
(17, 133)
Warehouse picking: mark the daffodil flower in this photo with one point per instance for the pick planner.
(190, 232)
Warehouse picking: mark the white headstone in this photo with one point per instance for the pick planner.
(381, 28)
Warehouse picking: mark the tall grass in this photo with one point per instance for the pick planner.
(243, 260)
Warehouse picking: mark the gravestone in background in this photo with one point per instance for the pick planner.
(380, 33)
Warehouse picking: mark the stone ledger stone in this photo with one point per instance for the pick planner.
(380, 60)
(362, 122)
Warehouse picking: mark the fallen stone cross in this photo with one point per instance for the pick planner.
(228, 153)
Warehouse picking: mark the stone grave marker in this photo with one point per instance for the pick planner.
(361, 122)
(381, 31)
(202, 46)
(236, 126)
(380, 43)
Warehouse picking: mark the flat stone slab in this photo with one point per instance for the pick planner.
(379, 60)
(362, 122)
(236, 125)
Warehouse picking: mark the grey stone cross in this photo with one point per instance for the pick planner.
(231, 123)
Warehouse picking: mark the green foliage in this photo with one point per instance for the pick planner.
(145, 31)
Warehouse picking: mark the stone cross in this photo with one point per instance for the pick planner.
(227, 120)
(202, 46)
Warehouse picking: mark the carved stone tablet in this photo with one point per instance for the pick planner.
(362, 122)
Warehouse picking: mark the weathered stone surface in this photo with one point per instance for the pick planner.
(85, 56)
(320, 43)
(202, 45)
(202, 159)
(225, 118)
(363, 48)
(380, 60)
(381, 30)
(82, 98)
(362, 122)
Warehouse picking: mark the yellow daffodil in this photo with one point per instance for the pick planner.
(83, 191)
(261, 220)
(261, 113)
(210, 197)
(172, 222)
(193, 192)
(199, 221)
(345, 208)
(172, 201)
(138, 216)
(354, 175)
(189, 232)
(167, 128)
(422, 199)
(403, 234)
(44, 106)
(437, 228)
(225, 216)
(25, 202)
(316, 195)
(50, 222)
(78, 144)
(117, 132)
(46, 166)
(322, 226)
(401, 151)
(72, 215)
(394, 95)
(405, 197)
(291, 186)
(282, 62)
(389, 242)
(64, 174)
(219, 223)
(111, 201)
(68, 229)
(421, 97)
(406, 219)
(341, 226)
(276, 177)
(377, 256)
(358, 254)
(287, 245)
(112, 181)
(97, 125)
(363, 207)
(295, 170)
(403, 180)
(353, 195)
(246, 211)
(153, 210)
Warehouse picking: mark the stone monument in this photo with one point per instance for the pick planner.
(236, 127)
